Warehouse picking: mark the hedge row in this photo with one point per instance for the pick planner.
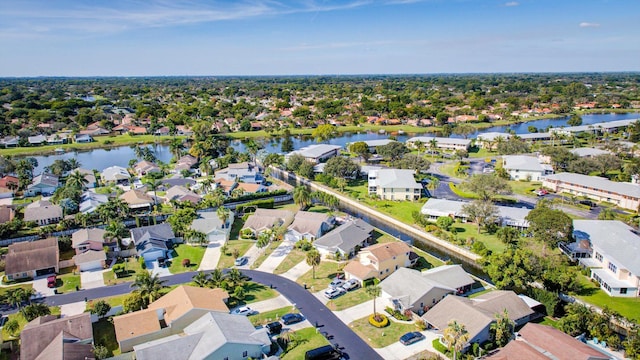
(256, 196)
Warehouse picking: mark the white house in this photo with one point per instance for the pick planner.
(507, 216)
(394, 184)
(115, 174)
(588, 152)
(522, 167)
(443, 143)
(42, 184)
(316, 153)
(374, 144)
(610, 249)
(242, 172)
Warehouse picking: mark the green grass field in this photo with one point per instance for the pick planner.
(380, 337)
(325, 272)
(293, 258)
(591, 293)
(269, 316)
(132, 268)
(184, 251)
(467, 230)
(226, 259)
(352, 298)
(309, 339)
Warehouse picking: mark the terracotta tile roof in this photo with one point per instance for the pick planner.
(249, 188)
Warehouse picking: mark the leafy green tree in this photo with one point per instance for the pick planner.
(413, 162)
(12, 327)
(201, 279)
(361, 149)
(224, 215)
(482, 212)
(287, 145)
(393, 151)
(302, 196)
(487, 186)
(444, 222)
(508, 235)
(464, 129)
(341, 167)
(512, 269)
(313, 259)
(294, 162)
(34, 310)
(101, 352)
(549, 225)
(574, 120)
(576, 319)
(101, 308)
(181, 219)
(323, 132)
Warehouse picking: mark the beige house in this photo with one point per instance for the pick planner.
(50, 337)
(394, 184)
(137, 199)
(32, 258)
(168, 315)
(263, 219)
(379, 261)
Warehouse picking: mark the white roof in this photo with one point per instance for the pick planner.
(522, 162)
(598, 183)
(535, 136)
(587, 151)
(316, 151)
(440, 140)
(395, 178)
(490, 136)
(511, 216)
(615, 240)
(114, 173)
(590, 127)
(378, 142)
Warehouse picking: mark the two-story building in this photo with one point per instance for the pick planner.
(379, 261)
(624, 195)
(522, 167)
(394, 184)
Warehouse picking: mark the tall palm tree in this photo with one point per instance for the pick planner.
(234, 278)
(302, 196)
(313, 260)
(175, 147)
(433, 185)
(201, 279)
(502, 328)
(224, 215)
(456, 337)
(77, 180)
(148, 286)
(196, 237)
(373, 291)
(73, 163)
(115, 231)
(154, 185)
(433, 145)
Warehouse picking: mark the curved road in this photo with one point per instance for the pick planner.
(314, 310)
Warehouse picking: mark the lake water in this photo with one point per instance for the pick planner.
(102, 158)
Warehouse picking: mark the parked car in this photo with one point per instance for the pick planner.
(351, 284)
(327, 352)
(274, 328)
(240, 261)
(542, 192)
(291, 318)
(244, 310)
(411, 337)
(589, 203)
(333, 292)
(51, 281)
(162, 262)
(336, 283)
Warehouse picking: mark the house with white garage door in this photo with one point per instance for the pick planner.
(153, 242)
(89, 245)
(210, 224)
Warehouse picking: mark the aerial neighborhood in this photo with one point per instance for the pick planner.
(321, 218)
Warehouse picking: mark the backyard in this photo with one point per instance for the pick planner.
(591, 293)
(104, 334)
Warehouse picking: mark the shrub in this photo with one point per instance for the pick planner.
(445, 222)
(431, 228)
(141, 262)
(438, 346)
(397, 314)
(304, 245)
(421, 324)
(252, 205)
(186, 262)
(378, 320)
(247, 234)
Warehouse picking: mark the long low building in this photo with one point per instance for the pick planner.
(603, 127)
(316, 153)
(509, 216)
(624, 195)
(443, 143)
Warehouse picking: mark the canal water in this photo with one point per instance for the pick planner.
(100, 159)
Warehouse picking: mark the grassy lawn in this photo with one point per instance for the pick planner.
(380, 237)
(105, 334)
(348, 300)
(380, 337)
(264, 254)
(254, 292)
(111, 300)
(295, 257)
(55, 310)
(269, 316)
(426, 261)
(449, 169)
(4, 290)
(525, 187)
(237, 225)
(67, 281)
(548, 321)
(184, 251)
(132, 268)
(460, 192)
(325, 272)
(226, 259)
(468, 230)
(310, 339)
(591, 293)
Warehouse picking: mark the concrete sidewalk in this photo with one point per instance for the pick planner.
(397, 351)
(211, 256)
(276, 257)
(295, 272)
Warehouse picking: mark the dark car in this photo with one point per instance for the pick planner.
(326, 352)
(589, 203)
(162, 262)
(291, 318)
(274, 328)
(411, 337)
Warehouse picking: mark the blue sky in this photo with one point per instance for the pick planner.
(287, 37)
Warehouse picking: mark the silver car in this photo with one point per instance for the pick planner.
(351, 284)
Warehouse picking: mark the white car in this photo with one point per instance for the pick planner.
(244, 310)
(241, 261)
(331, 293)
(336, 283)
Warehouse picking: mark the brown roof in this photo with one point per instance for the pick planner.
(42, 213)
(4, 182)
(551, 342)
(308, 222)
(517, 350)
(32, 255)
(136, 197)
(266, 218)
(89, 256)
(6, 214)
(38, 335)
(386, 251)
(362, 272)
(495, 302)
(185, 298)
(137, 323)
(86, 235)
(249, 188)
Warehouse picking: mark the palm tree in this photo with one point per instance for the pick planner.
(237, 192)
(456, 337)
(302, 196)
(313, 260)
(201, 279)
(433, 145)
(223, 214)
(32, 311)
(264, 238)
(148, 286)
(12, 327)
(216, 277)
(502, 328)
(175, 147)
(433, 185)
(419, 145)
(206, 184)
(154, 185)
(374, 292)
(77, 180)
(115, 231)
(196, 237)
(73, 163)
(234, 278)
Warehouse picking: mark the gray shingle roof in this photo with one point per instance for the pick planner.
(410, 285)
(316, 151)
(616, 240)
(598, 183)
(346, 236)
(586, 151)
(395, 178)
(155, 236)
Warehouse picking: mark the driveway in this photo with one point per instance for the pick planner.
(92, 279)
(276, 257)
(211, 256)
(251, 255)
(154, 268)
(41, 288)
(295, 272)
(75, 308)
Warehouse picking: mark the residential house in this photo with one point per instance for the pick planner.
(408, 289)
(248, 188)
(115, 174)
(226, 186)
(610, 126)
(542, 342)
(490, 140)
(624, 195)
(522, 167)
(89, 176)
(210, 224)
(153, 241)
(394, 184)
(145, 167)
(10, 141)
(479, 313)
(57, 139)
(9, 182)
(162, 131)
(43, 212)
(50, 337)
(316, 153)
(6, 214)
(89, 201)
(31, 259)
(308, 225)
(374, 144)
(178, 180)
(89, 245)
(37, 140)
(185, 163)
(263, 219)
(609, 248)
(169, 315)
(242, 172)
(44, 184)
(379, 261)
(214, 335)
(346, 239)
(507, 216)
(182, 194)
(588, 152)
(83, 138)
(138, 199)
(184, 130)
(442, 143)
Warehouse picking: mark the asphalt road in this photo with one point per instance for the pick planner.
(317, 313)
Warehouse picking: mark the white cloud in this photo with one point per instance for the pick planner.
(512, 3)
(589, 25)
